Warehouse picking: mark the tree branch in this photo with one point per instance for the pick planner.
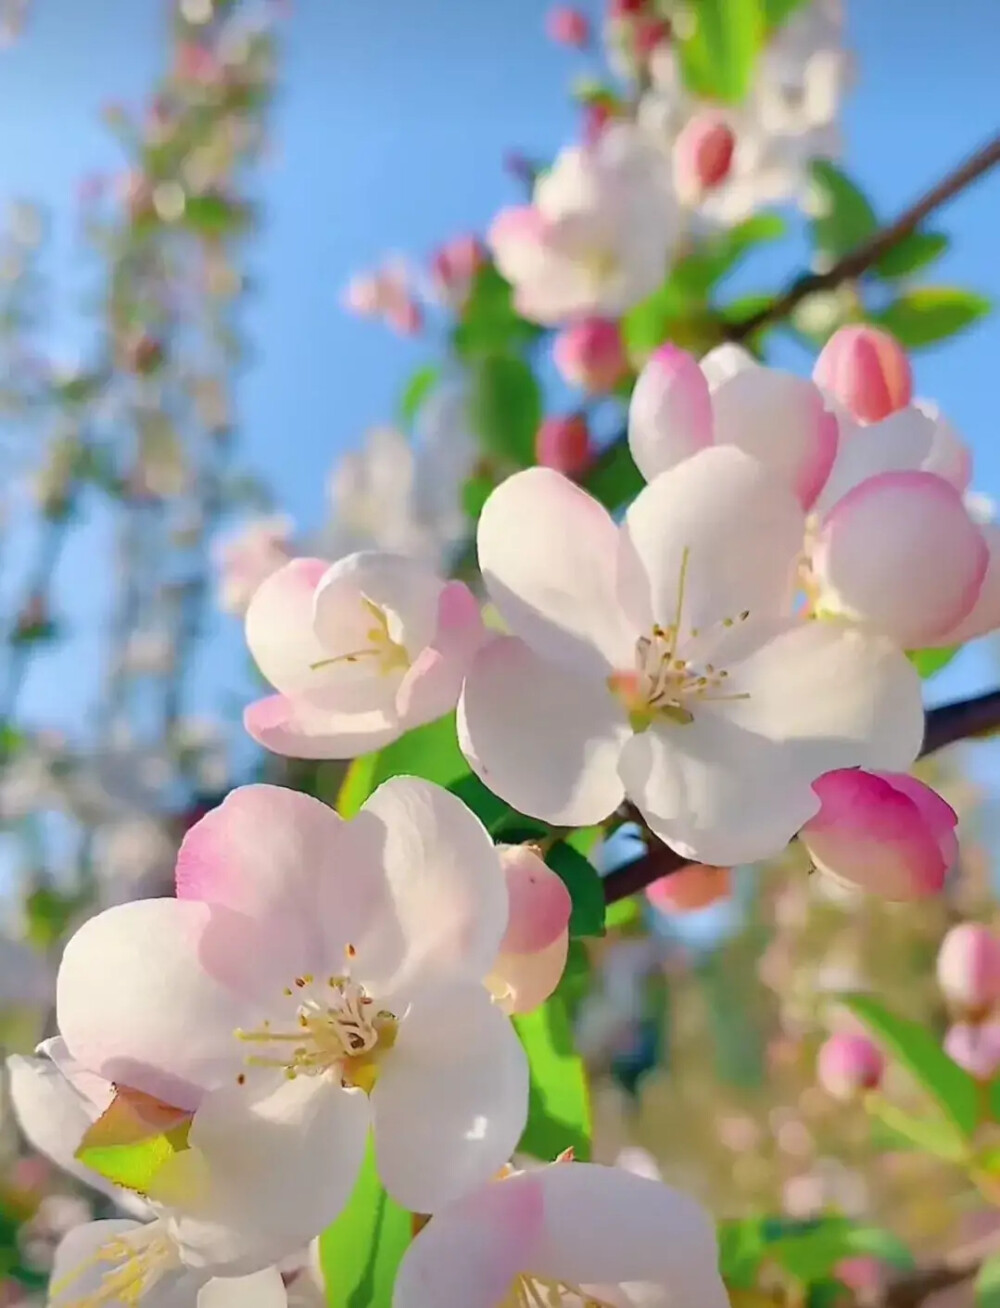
(963, 719)
(955, 1268)
(865, 256)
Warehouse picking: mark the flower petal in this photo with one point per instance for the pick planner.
(406, 588)
(459, 1070)
(547, 550)
(735, 785)
(544, 738)
(984, 616)
(781, 420)
(949, 455)
(670, 412)
(444, 907)
(81, 1263)
(899, 443)
(604, 1225)
(276, 1166)
(469, 1255)
(521, 982)
(297, 729)
(263, 1289)
(134, 1006)
(433, 682)
(900, 552)
(279, 625)
(718, 531)
(539, 902)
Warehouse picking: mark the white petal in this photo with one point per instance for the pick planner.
(264, 1289)
(670, 412)
(735, 785)
(134, 1005)
(404, 587)
(949, 455)
(726, 361)
(444, 907)
(297, 729)
(604, 1225)
(721, 524)
(451, 1100)
(899, 443)
(81, 1263)
(279, 625)
(547, 550)
(277, 1162)
(543, 737)
(985, 615)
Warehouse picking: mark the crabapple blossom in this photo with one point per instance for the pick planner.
(659, 660)
(591, 354)
(314, 979)
(597, 235)
(968, 967)
(533, 951)
(975, 1047)
(867, 371)
(703, 154)
(564, 443)
(567, 1233)
(249, 558)
(567, 25)
(453, 269)
(359, 651)
(848, 1063)
(886, 832)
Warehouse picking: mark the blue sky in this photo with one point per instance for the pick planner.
(390, 130)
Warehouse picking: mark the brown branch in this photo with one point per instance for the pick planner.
(866, 255)
(963, 719)
(955, 1268)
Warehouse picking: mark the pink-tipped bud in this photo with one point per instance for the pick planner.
(867, 371)
(883, 831)
(565, 444)
(968, 968)
(567, 26)
(693, 887)
(703, 153)
(533, 951)
(975, 1047)
(596, 117)
(591, 355)
(650, 32)
(848, 1063)
(453, 267)
(619, 9)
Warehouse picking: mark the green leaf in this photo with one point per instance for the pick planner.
(214, 215)
(717, 56)
(777, 12)
(614, 479)
(844, 215)
(133, 1138)
(811, 1255)
(742, 1245)
(929, 661)
(416, 390)
(911, 254)
(489, 323)
(357, 785)
(430, 751)
(987, 1284)
(623, 915)
(930, 1135)
(650, 322)
(929, 314)
(559, 1098)
(493, 812)
(586, 890)
(718, 256)
(916, 1049)
(361, 1251)
(475, 492)
(506, 408)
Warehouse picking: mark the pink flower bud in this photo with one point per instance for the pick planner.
(867, 370)
(565, 444)
(849, 1063)
(453, 267)
(648, 34)
(567, 26)
(596, 116)
(968, 968)
(591, 355)
(703, 153)
(533, 951)
(975, 1048)
(619, 9)
(883, 831)
(691, 888)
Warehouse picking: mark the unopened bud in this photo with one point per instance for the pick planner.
(690, 889)
(649, 33)
(565, 444)
(591, 354)
(567, 26)
(849, 1063)
(453, 267)
(968, 968)
(867, 371)
(975, 1047)
(703, 154)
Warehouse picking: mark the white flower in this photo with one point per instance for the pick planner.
(314, 979)
(658, 660)
(564, 1235)
(597, 236)
(246, 559)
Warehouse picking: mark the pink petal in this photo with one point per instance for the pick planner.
(670, 413)
(297, 729)
(867, 370)
(938, 815)
(540, 904)
(984, 616)
(900, 552)
(279, 625)
(968, 967)
(431, 686)
(975, 1048)
(523, 982)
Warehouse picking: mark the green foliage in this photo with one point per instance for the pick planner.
(913, 252)
(807, 1250)
(361, 1251)
(475, 492)
(930, 661)
(584, 885)
(215, 216)
(417, 389)
(913, 1046)
(987, 1284)
(506, 408)
(614, 479)
(49, 914)
(778, 12)
(844, 216)
(929, 1135)
(717, 256)
(929, 314)
(430, 751)
(559, 1100)
(717, 56)
(489, 322)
